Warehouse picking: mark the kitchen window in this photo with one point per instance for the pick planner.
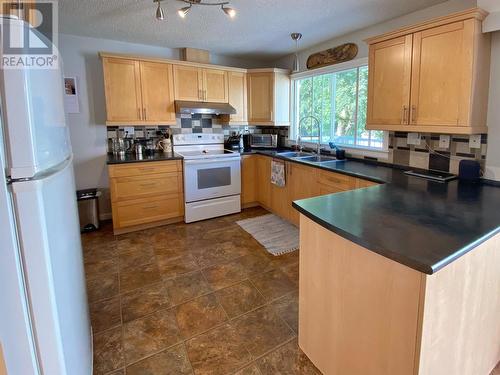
(337, 98)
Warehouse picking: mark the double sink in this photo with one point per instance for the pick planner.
(309, 158)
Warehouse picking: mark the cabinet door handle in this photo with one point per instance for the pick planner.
(139, 113)
(413, 114)
(404, 115)
(144, 113)
(150, 207)
(200, 96)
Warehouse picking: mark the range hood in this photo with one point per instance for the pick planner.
(203, 108)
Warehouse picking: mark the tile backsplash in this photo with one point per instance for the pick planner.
(429, 154)
(195, 124)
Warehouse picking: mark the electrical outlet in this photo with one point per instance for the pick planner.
(129, 130)
(475, 141)
(444, 141)
(413, 139)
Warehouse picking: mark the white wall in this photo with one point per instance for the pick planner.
(359, 36)
(493, 154)
(88, 130)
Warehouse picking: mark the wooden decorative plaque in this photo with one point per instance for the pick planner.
(339, 54)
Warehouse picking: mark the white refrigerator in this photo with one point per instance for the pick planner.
(44, 318)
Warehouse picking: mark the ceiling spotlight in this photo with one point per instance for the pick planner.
(183, 11)
(231, 12)
(160, 15)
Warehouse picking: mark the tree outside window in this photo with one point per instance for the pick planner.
(339, 101)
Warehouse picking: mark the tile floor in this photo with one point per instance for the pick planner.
(203, 298)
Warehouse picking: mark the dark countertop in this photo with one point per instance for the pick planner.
(132, 158)
(422, 224)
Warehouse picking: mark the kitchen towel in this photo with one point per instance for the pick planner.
(278, 173)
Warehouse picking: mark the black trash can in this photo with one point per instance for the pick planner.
(88, 209)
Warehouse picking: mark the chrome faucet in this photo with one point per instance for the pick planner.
(318, 125)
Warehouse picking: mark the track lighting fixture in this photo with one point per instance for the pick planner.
(160, 15)
(230, 12)
(183, 11)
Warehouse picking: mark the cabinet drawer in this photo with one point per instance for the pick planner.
(360, 183)
(327, 189)
(141, 169)
(126, 188)
(337, 180)
(149, 210)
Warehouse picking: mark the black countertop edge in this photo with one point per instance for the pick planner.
(405, 260)
(459, 253)
(412, 263)
(132, 158)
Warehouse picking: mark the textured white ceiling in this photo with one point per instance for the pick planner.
(261, 29)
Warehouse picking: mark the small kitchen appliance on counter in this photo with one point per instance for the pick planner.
(264, 140)
(432, 175)
(233, 142)
(212, 176)
(469, 170)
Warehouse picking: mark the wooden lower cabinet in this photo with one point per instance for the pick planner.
(264, 181)
(302, 182)
(146, 194)
(362, 313)
(248, 180)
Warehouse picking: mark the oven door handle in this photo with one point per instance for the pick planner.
(210, 161)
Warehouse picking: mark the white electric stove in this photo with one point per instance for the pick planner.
(212, 176)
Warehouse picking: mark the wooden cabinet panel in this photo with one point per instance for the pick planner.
(215, 86)
(133, 187)
(143, 194)
(445, 77)
(248, 179)
(148, 210)
(442, 75)
(279, 195)
(188, 83)
(238, 96)
(123, 90)
(157, 92)
(302, 183)
(337, 180)
(144, 169)
(264, 180)
(389, 81)
(260, 97)
(360, 183)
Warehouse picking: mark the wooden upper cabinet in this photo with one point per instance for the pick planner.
(138, 92)
(268, 97)
(431, 77)
(122, 81)
(238, 97)
(188, 83)
(215, 86)
(442, 75)
(200, 85)
(260, 97)
(157, 92)
(389, 80)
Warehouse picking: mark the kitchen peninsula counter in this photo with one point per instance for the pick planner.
(400, 278)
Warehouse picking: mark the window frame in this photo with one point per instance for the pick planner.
(353, 149)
